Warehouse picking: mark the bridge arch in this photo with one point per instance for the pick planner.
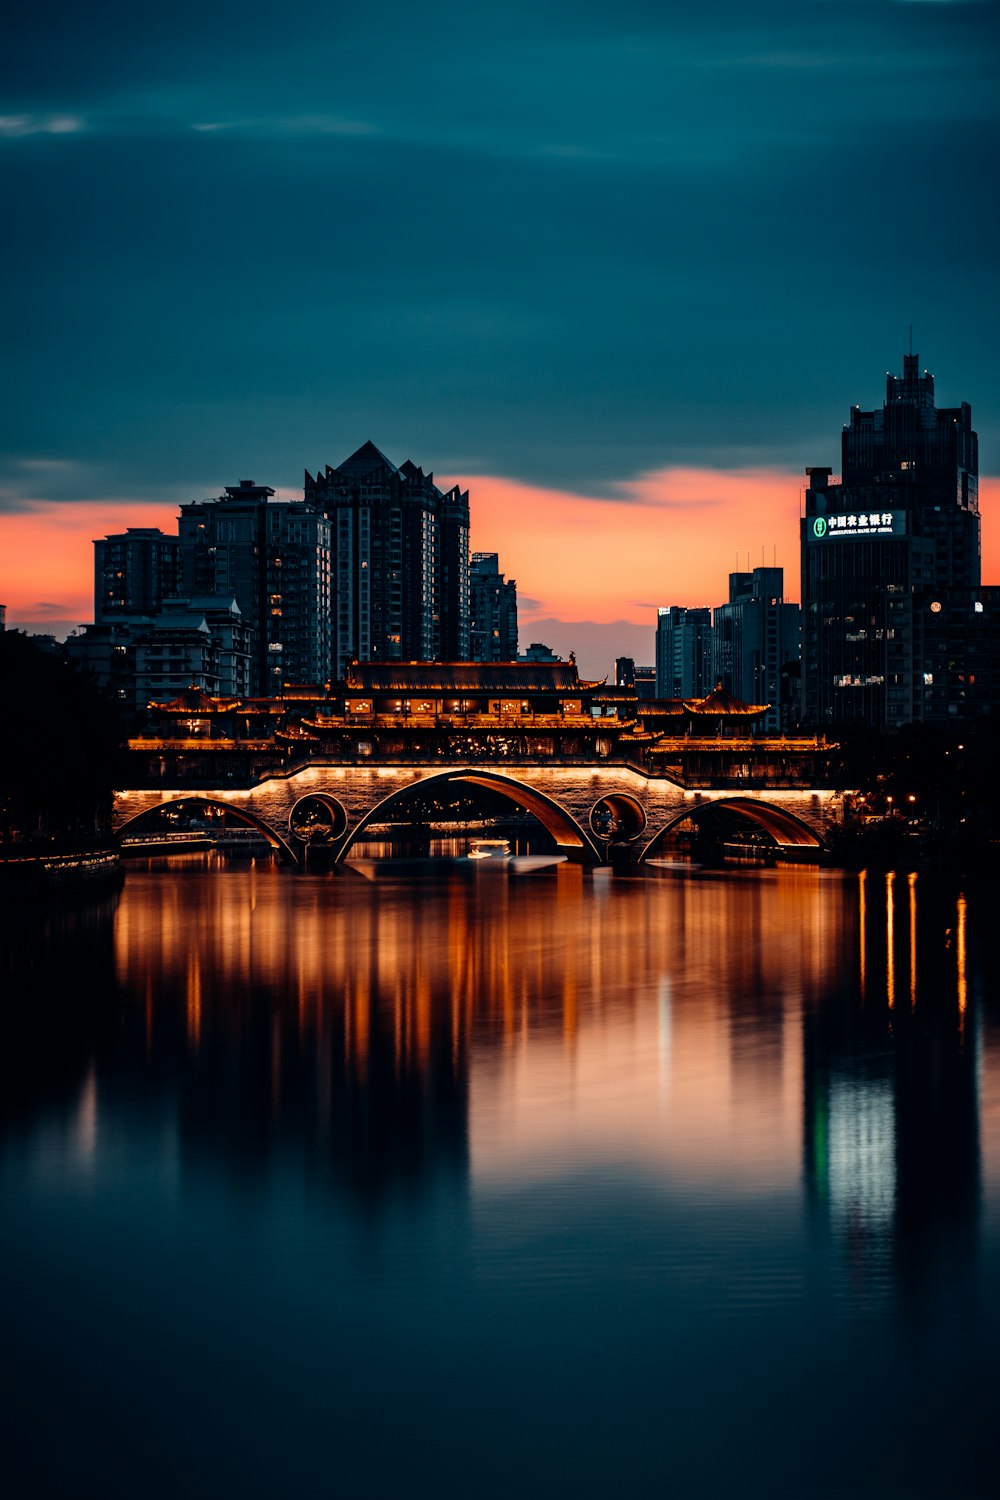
(567, 833)
(618, 815)
(318, 815)
(240, 814)
(786, 828)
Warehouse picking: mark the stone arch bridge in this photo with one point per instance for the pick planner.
(587, 809)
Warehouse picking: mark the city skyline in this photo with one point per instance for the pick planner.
(622, 276)
(539, 526)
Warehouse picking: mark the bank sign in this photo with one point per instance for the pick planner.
(857, 524)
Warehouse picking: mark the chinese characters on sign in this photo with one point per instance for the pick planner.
(867, 523)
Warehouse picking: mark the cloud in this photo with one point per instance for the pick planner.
(14, 126)
(595, 643)
(564, 245)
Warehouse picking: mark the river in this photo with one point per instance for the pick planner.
(674, 1184)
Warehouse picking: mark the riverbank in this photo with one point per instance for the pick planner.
(59, 870)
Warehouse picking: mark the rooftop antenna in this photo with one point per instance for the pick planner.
(911, 338)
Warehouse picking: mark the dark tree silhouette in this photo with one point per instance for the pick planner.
(60, 742)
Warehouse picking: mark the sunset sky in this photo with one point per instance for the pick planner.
(622, 271)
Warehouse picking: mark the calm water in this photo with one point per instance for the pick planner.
(676, 1185)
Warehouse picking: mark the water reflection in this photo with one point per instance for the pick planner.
(705, 1030)
(702, 1105)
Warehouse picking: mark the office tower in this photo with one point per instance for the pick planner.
(273, 557)
(683, 652)
(754, 636)
(625, 671)
(399, 561)
(134, 571)
(642, 679)
(879, 546)
(492, 610)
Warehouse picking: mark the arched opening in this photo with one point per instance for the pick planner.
(187, 824)
(469, 804)
(734, 830)
(318, 819)
(617, 819)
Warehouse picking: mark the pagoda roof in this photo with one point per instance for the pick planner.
(464, 677)
(194, 700)
(720, 703)
(661, 708)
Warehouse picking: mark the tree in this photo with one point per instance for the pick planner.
(60, 741)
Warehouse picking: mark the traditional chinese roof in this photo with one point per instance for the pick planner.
(303, 692)
(293, 732)
(462, 677)
(262, 705)
(653, 711)
(721, 704)
(194, 700)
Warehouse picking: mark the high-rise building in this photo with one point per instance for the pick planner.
(492, 610)
(134, 571)
(683, 652)
(754, 636)
(273, 557)
(642, 679)
(399, 561)
(881, 544)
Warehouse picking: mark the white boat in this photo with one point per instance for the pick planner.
(495, 854)
(498, 849)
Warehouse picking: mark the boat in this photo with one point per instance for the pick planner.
(486, 855)
(494, 849)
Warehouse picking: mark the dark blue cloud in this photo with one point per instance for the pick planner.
(543, 242)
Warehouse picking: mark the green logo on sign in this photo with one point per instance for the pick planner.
(819, 526)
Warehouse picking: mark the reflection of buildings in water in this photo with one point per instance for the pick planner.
(679, 1043)
(404, 1036)
(860, 1144)
(350, 1015)
(891, 1095)
(278, 1018)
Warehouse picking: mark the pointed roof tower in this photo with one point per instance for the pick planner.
(365, 460)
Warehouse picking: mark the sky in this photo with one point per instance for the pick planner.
(620, 270)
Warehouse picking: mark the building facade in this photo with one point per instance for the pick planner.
(755, 638)
(399, 551)
(900, 526)
(492, 610)
(683, 652)
(134, 571)
(273, 557)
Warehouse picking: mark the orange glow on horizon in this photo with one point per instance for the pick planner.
(48, 556)
(672, 538)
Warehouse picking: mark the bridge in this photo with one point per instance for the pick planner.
(592, 812)
(607, 777)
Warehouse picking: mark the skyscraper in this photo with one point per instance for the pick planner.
(754, 636)
(273, 557)
(134, 571)
(399, 561)
(879, 545)
(492, 611)
(683, 652)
